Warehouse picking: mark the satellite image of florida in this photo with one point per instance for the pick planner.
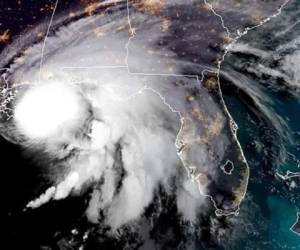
(150, 124)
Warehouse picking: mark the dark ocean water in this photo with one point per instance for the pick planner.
(261, 81)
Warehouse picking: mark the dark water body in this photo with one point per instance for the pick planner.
(260, 83)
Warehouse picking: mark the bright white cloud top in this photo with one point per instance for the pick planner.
(47, 109)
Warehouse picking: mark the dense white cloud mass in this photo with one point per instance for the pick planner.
(128, 141)
(47, 109)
